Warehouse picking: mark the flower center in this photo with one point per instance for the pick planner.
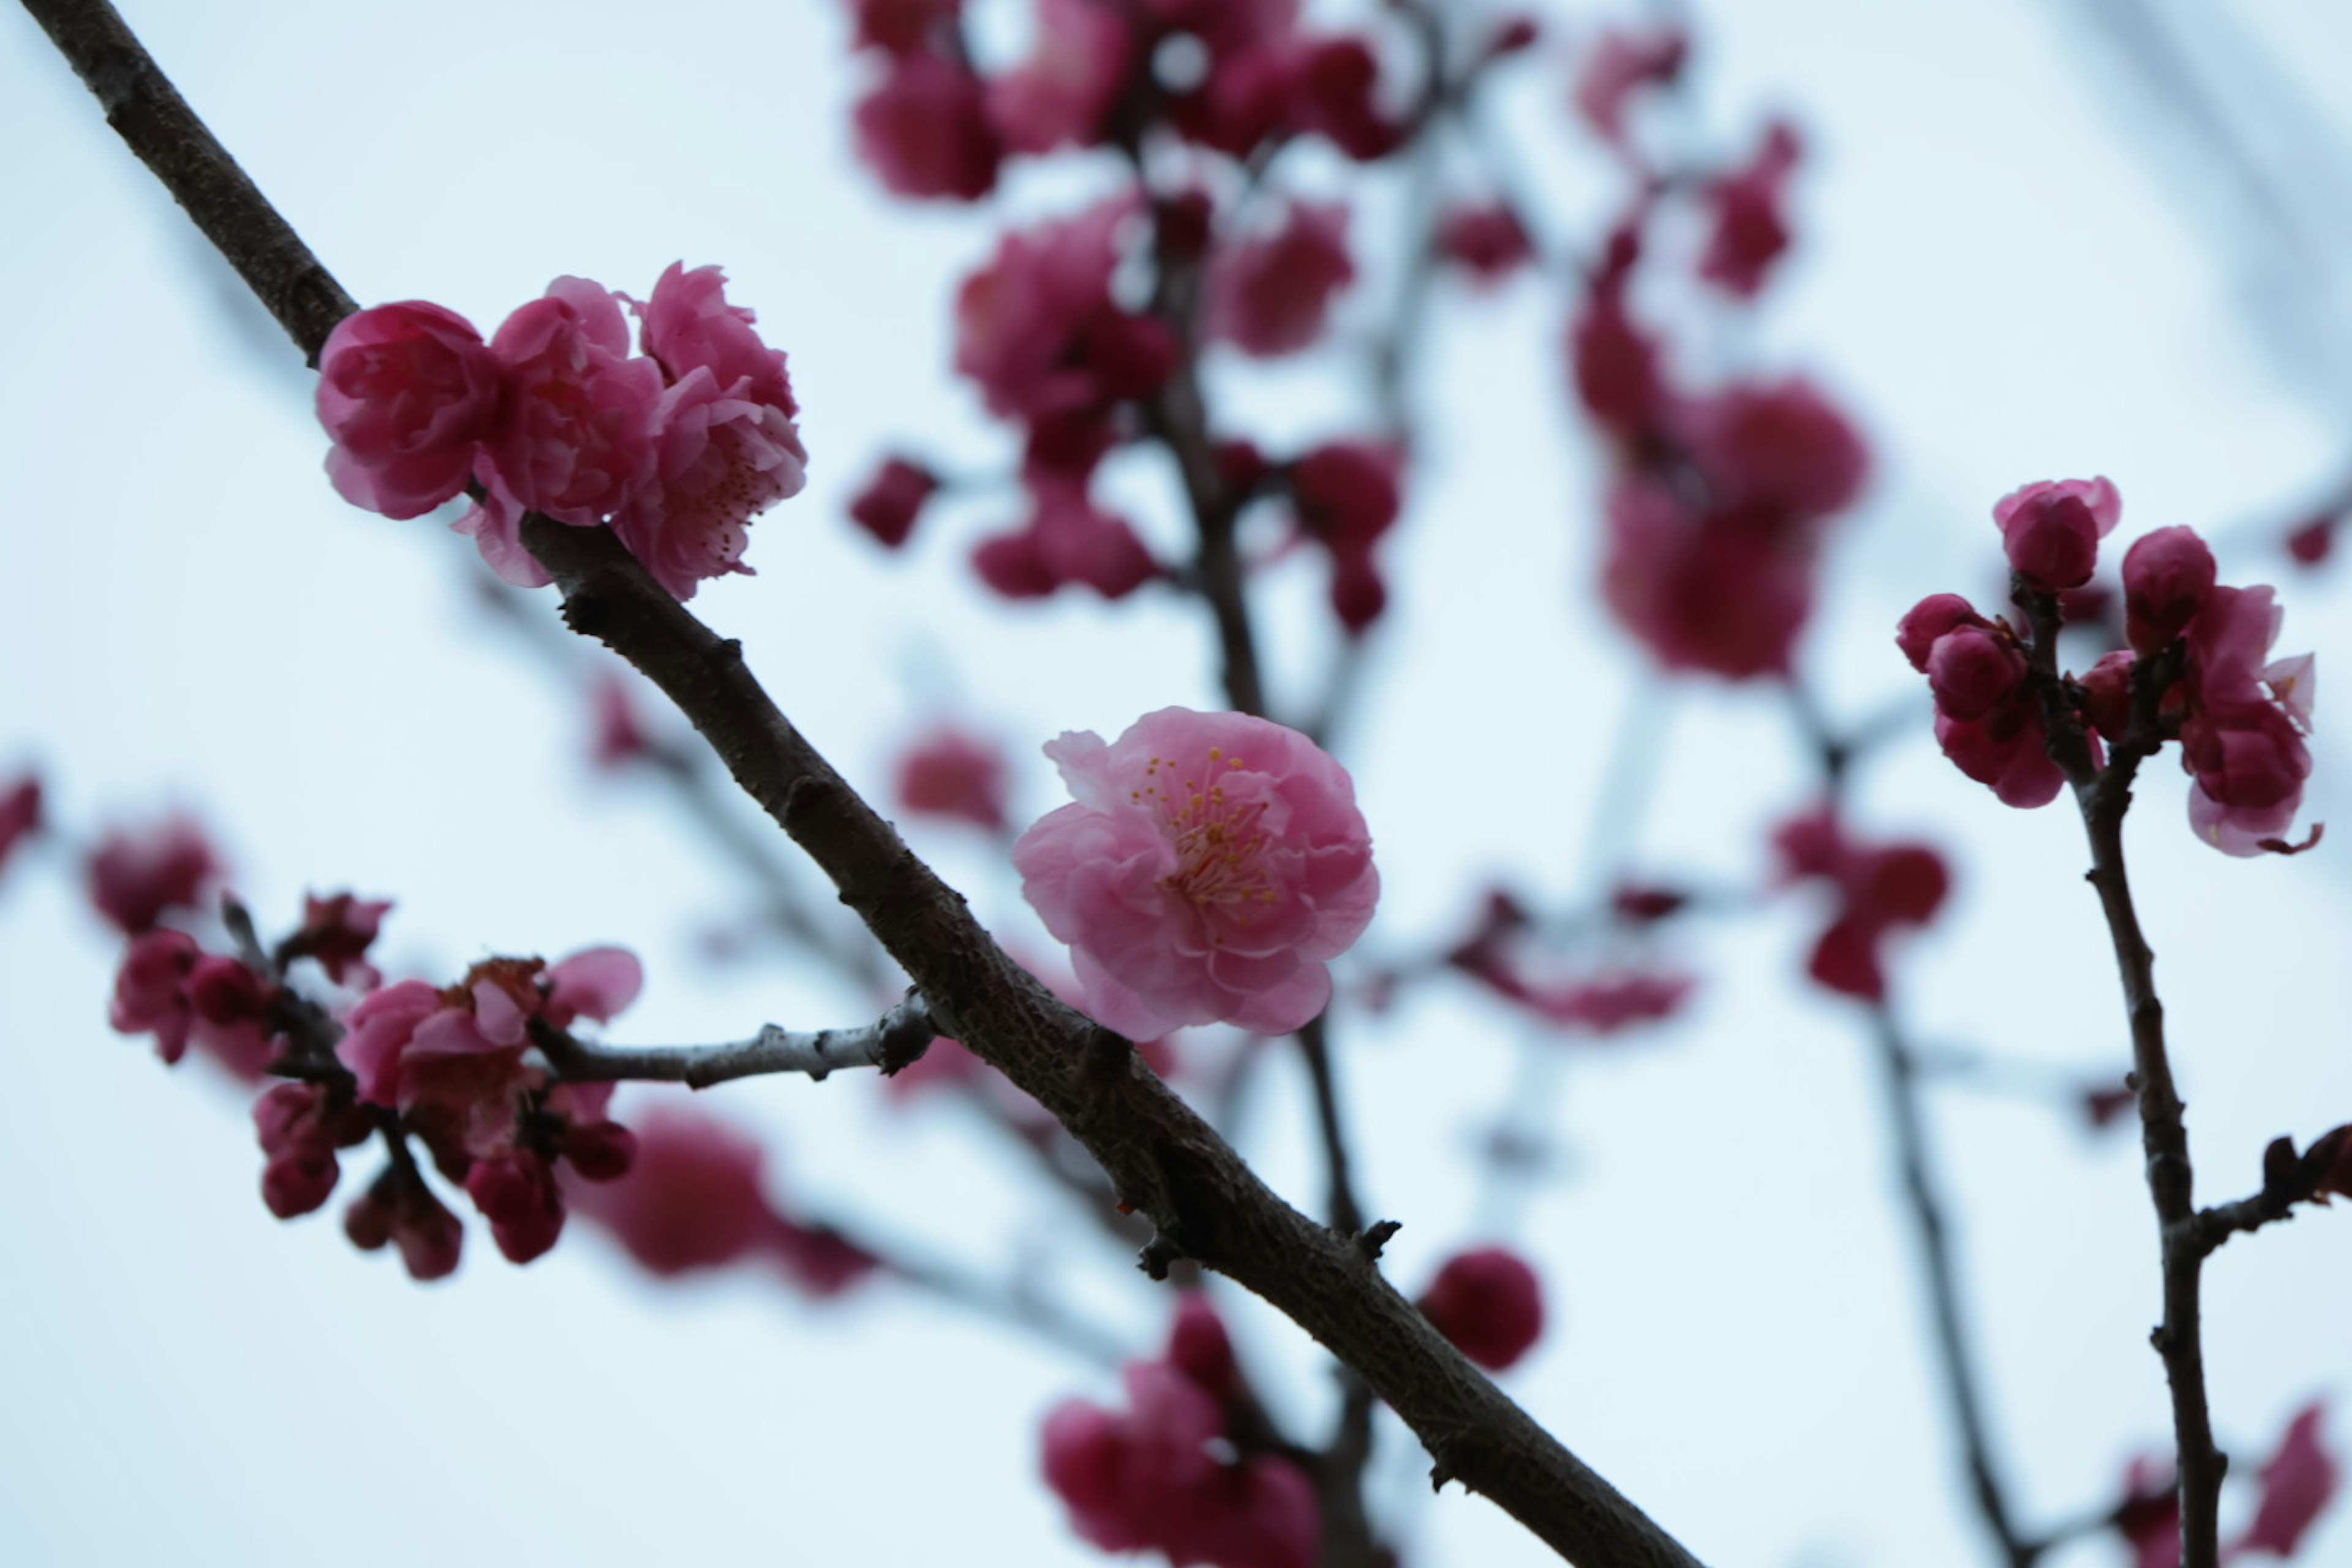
(1220, 847)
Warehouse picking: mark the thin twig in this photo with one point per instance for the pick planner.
(893, 1041)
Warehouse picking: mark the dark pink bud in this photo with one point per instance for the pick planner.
(1348, 492)
(151, 991)
(2315, 541)
(1489, 1304)
(925, 130)
(135, 877)
(892, 500)
(1358, 595)
(516, 1192)
(224, 991)
(20, 815)
(2051, 530)
(2107, 694)
(1749, 231)
(368, 1221)
(1486, 241)
(1198, 1348)
(1971, 672)
(1615, 366)
(1012, 565)
(949, 773)
(298, 1180)
(431, 1240)
(1906, 883)
(1927, 623)
(1335, 88)
(1131, 355)
(1636, 904)
(601, 1150)
(2167, 576)
(1845, 958)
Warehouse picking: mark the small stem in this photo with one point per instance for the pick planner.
(1314, 1044)
(898, 1037)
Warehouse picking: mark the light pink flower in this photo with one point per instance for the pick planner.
(407, 393)
(1066, 89)
(1211, 867)
(1272, 295)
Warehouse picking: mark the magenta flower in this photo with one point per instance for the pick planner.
(1212, 866)
(893, 500)
(1272, 295)
(2051, 530)
(1024, 322)
(2242, 739)
(135, 877)
(924, 129)
(2168, 576)
(2298, 1482)
(902, 27)
(1068, 540)
(1749, 232)
(407, 394)
(1621, 64)
(1068, 86)
(578, 432)
(1489, 1303)
(689, 325)
(720, 459)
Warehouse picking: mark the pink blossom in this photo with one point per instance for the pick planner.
(2149, 1516)
(1068, 540)
(949, 773)
(136, 876)
(338, 932)
(2242, 739)
(515, 1190)
(692, 1199)
(578, 432)
(924, 129)
(902, 27)
(1972, 672)
(1023, 322)
(1065, 91)
(1779, 446)
(1721, 592)
(2313, 541)
(1487, 241)
(1881, 889)
(20, 815)
(1749, 232)
(1199, 1347)
(892, 500)
(1623, 62)
(1145, 1479)
(687, 325)
(1334, 90)
(301, 1126)
(1348, 496)
(168, 987)
(1272, 295)
(720, 460)
(2051, 530)
(1926, 622)
(2167, 576)
(400, 1209)
(1489, 1303)
(407, 393)
(2298, 1482)
(1210, 866)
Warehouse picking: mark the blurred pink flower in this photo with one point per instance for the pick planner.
(1271, 294)
(1489, 1303)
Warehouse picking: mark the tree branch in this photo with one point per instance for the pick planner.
(1165, 1161)
(895, 1040)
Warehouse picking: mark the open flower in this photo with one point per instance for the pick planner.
(1211, 867)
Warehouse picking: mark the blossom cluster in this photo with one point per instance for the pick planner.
(1182, 1470)
(678, 447)
(1719, 496)
(2198, 668)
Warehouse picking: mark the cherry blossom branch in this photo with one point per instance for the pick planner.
(2104, 796)
(894, 1040)
(1203, 1200)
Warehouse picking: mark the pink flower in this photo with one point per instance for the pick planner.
(1779, 446)
(1211, 867)
(892, 500)
(1623, 63)
(692, 1199)
(1334, 88)
(1271, 296)
(301, 1126)
(1038, 330)
(689, 325)
(2051, 530)
(2167, 576)
(2242, 739)
(1146, 1480)
(407, 394)
(338, 932)
(1486, 241)
(924, 129)
(401, 1209)
(720, 460)
(20, 815)
(135, 877)
(168, 987)
(1489, 1303)
(2298, 1482)
(2149, 1516)
(1725, 592)
(1987, 720)
(1065, 91)
(1348, 495)
(1881, 889)
(950, 772)
(1498, 955)
(578, 432)
(1750, 233)
(1067, 541)
(902, 27)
